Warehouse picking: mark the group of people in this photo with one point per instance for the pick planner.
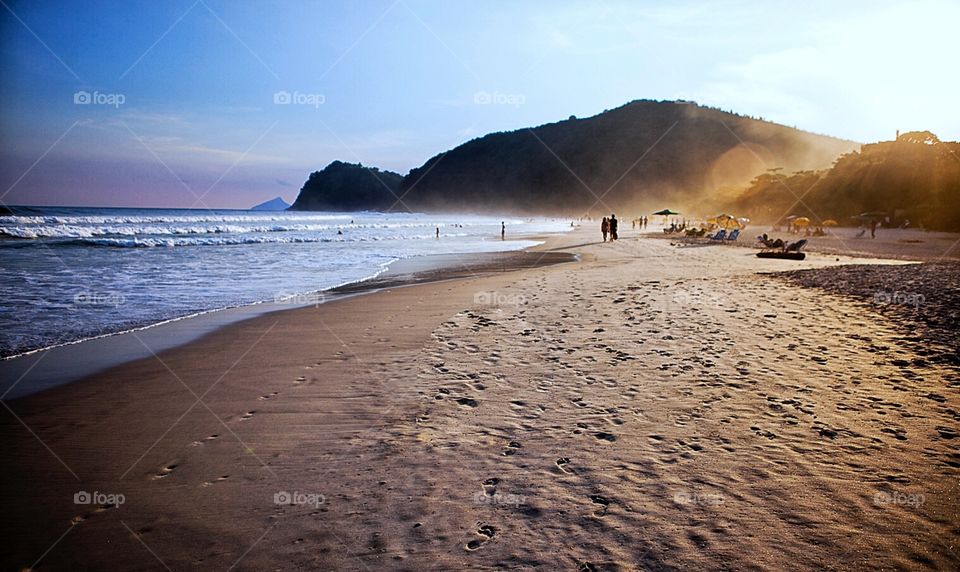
(674, 227)
(640, 221)
(609, 226)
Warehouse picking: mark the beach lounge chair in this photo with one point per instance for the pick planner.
(721, 235)
(734, 235)
(789, 252)
(796, 246)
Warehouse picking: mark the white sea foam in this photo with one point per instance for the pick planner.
(71, 274)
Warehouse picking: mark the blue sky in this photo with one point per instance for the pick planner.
(183, 92)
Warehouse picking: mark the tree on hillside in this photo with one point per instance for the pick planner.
(916, 177)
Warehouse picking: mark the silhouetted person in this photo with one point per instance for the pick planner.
(873, 229)
(438, 232)
(605, 228)
(503, 230)
(613, 227)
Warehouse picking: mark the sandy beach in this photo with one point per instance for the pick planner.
(647, 406)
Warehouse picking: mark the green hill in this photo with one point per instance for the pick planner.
(643, 155)
(915, 177)
(348, 187)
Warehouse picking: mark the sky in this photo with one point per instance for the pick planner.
(225, 104)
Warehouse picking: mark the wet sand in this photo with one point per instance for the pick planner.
(646, 407)
(45, 369)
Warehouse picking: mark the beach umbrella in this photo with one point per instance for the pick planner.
(801, 221)
(666, 213)
(830, 222)
(726, 221)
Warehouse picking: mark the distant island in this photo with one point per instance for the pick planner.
(274, 204)
(647, 155)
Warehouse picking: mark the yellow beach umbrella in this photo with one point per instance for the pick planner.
(726, 221)
(830, 222)
(801, 221)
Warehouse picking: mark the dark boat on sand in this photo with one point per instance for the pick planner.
(780, 254)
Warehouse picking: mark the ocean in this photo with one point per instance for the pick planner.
(70, 274)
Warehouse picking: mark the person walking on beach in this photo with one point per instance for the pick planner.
(438, 232)
(613, 227)
(503, 230)
(605, 228)
(873, 229)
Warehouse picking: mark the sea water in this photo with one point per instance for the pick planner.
(74, 273)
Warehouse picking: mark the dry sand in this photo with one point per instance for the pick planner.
(649, 407)
(890, 243)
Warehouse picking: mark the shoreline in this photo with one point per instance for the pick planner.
(43, 368)
(46, 368)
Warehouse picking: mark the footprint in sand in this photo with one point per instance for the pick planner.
(217, 480)
(604, 436)
(946, 432)
(468, 402)
(603, 502)
(268, 396)
(562, 463)
(166, 470)
(486, 533)
(205, 439)
(247, 415)
(898, 433)
(511, 449)
(771, 435)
